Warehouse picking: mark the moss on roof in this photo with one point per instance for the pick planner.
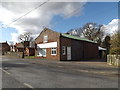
(76, 38)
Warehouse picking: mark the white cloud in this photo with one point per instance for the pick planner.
(34, 21)
(14, 37)
(111, 27)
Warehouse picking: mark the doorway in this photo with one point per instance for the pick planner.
(68, 53)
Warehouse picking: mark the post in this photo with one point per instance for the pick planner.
(23, 55)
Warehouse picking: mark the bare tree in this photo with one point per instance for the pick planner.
(75, 32)
(25, 37)
(91, 31)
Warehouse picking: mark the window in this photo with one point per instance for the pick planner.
(63, 50)
(53, 51)
(45, 39)
(42, 52)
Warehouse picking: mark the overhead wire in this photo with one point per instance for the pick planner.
(25, 14)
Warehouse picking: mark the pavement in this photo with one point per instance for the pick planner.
(36, 73)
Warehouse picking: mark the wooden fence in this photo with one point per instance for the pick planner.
(113, 60)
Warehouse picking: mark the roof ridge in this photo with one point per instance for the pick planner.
(77, 38)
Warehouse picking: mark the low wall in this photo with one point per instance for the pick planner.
(113, 60)
(15, 54)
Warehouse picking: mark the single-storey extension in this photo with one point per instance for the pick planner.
(58, 46)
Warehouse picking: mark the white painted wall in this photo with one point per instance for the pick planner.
(47, 45)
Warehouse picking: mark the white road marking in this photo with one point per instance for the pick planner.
(29, 86)
(5, 71)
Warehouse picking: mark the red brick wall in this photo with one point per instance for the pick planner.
(64, 42)
(90, 51)
(5, 47)
(19, 49)
(52, 57)
(52, 37)
(80, 50)
(77, 50)
(31, 51)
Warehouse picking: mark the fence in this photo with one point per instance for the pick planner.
(113, 60)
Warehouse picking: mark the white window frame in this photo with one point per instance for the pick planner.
(52, 50)
(63, 50)
(45, 38)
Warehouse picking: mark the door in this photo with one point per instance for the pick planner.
(44, 52)
(68, 53)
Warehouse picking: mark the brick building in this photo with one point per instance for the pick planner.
(57, 46)
(28, 47)
(4, 47)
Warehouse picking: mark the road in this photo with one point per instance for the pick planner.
(18, 73)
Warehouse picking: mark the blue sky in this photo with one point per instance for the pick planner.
(6, 34)
(98, 12)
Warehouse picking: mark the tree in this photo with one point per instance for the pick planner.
(91, 31)
(25, 37)
(115, 43)
(106, 43)
(75, 32)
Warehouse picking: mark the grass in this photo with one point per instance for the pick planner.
(34, 57)
(30, 57)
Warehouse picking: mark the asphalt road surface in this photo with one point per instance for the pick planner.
(17, 73)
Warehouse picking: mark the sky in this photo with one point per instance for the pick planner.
(58, 16)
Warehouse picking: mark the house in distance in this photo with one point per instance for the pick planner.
(58, 46)
(28, 47)
(4, 47)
